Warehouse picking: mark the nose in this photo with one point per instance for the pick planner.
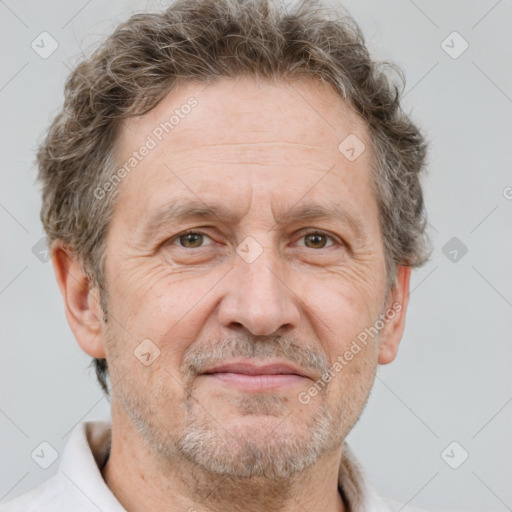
(258, 298)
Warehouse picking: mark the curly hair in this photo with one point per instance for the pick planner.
(201, 40)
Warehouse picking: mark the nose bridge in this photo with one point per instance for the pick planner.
(257, 297)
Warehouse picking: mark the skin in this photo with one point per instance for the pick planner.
(258, 149)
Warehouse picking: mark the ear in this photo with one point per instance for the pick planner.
(81, 301)
(394, 324)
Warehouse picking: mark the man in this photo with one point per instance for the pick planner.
(231, 192)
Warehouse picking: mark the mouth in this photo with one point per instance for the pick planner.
(256, 377)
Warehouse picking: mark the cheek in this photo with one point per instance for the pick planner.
(167, 308)
(353, 365)
(344, 322)
(352, 374)
(154, 298)
(340, 311)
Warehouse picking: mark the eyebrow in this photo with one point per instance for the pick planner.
(194, 210)
(328, 211)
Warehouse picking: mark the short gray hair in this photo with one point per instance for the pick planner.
(201, 40)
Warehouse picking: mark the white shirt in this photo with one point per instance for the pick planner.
(78, 486)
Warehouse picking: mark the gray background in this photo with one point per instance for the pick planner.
(452, 378)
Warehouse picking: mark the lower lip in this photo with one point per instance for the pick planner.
(257, 382)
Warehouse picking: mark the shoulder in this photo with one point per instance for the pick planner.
(78, 485)
(62, 494)
(43, 497)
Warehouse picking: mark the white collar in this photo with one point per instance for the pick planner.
(79, 484)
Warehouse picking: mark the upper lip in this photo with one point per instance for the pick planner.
(257, 369)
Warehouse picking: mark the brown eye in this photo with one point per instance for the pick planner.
(191, 240)
(316, 240)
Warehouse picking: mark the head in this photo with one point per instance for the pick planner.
(227, 180)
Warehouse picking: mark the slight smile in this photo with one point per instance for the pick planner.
(253, 377)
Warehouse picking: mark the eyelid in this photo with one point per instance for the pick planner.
(314, 231)
(194, 231)
(302, 232)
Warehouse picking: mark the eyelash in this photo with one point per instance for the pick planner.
(304, 234)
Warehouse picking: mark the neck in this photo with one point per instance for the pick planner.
(141, 480)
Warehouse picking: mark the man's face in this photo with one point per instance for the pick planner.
(252, 285)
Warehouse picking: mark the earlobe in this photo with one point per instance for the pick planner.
(81, 301)
(395, 312)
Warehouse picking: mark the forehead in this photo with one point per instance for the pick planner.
(251, 104)
(278, 139)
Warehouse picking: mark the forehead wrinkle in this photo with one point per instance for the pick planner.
(264, 151)
(251, 144)
(194, 209)
(251, 163)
